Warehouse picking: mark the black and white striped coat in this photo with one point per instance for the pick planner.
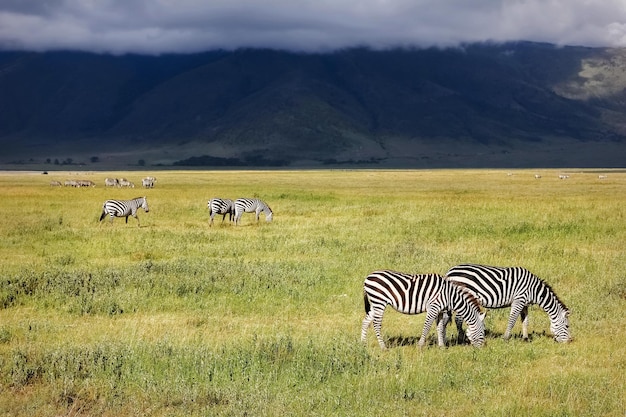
(221, 206)
(252, 205)
(124, 208)
(414, 294)
(497, 287)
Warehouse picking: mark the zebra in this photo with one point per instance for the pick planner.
(148, 182)
(414, 294)
(55, 184)
(123, 182)
(111, 182)
(252, 205)
(221, 206)
(497, 287)
(124, 208)
(86, 183)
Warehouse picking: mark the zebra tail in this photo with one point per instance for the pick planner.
(104, 213)
(366, 301)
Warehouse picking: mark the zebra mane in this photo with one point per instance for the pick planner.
(551, 291)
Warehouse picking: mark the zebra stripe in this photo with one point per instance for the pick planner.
(124, 208)
(517, 287)
(414, 294)
(221, 206)
(252, 205)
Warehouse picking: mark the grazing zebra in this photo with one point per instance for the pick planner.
(252, 205)
(148, 182)
(86, 183)
(125, 183)
(71, 183)
(55, 184)
(124, 208)
(221, 206)
(497, 287)
(414, 294)
(111, 182)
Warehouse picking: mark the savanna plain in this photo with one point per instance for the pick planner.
(177, 318)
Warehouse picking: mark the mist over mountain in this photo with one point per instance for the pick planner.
(508, 105)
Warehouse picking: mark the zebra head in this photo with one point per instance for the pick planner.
(476, 332)
(268, 214)
(144, 204)
(560, 327)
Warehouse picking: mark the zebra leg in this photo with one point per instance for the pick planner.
(516, 309)
(460, 338)
(431, 315)
(524, 317)
(442, 321)
(377, 318)
(366, 324)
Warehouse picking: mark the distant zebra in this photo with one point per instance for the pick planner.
(221, 206)
(252, 205)
(55, 184)
(414, 294)
(86, 183)
(124, 208)
(71, 183)
(148, 182)
(497, 287)
(125, 183)
(111, 182)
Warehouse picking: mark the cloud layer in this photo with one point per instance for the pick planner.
(180, 26)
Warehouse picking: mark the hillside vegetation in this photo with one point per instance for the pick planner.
(510, 105)
(178, 318)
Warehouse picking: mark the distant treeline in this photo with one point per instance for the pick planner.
(208, 160)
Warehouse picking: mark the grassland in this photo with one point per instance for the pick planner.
(176, 318)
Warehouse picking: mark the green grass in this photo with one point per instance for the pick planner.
(179, 318)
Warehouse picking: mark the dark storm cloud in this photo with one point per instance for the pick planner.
(156, 26)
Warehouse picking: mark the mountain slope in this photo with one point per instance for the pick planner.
(518, 104)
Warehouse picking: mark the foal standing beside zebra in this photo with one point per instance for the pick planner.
(252, 205)
(124, 208)
(497, 287)
(414, 294)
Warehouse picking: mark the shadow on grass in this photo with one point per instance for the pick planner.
(399, 341)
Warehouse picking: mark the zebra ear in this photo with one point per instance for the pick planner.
(566, 313)
(483, 315)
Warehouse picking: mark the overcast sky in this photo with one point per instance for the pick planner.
(159, 26)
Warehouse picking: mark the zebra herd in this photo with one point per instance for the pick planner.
(147, 182)
(224, 206)
(235, 210)
(463, 290)
(73, 183)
